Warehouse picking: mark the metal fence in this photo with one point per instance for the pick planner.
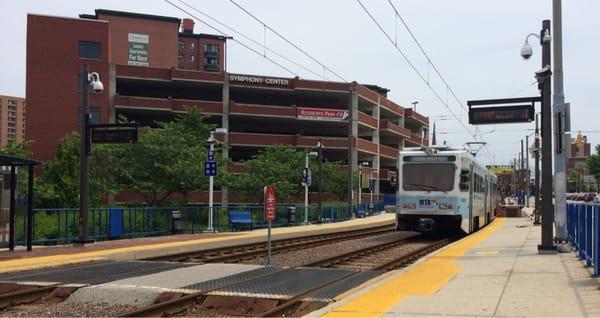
(58, 226)
(583, 227)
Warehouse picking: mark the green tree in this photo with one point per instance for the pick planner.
(574, 182)
(593, 166)
(58, 186)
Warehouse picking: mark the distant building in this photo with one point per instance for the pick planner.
(12, 119)
(580, 151)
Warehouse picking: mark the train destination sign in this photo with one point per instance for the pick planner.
(501, 114)
(114, 133)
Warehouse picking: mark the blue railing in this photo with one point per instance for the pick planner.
(58, 226)
(583, 227)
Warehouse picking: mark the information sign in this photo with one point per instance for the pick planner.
(210, 156)
(270, 203)
(210, 168)
(501, 114)
(113, 133)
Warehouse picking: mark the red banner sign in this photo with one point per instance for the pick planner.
(270, 203)
(321, 114)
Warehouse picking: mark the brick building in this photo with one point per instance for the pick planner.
(12, 119)
(153, 67)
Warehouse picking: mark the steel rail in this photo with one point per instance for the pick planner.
(25, 296)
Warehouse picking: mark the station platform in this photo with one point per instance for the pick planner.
(142, 248)
(496, 272)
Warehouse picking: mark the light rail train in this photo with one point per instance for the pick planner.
(443, 190)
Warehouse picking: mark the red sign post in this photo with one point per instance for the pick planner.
(270, 202)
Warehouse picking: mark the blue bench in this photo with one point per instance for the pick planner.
(239, 219)
(361, 210)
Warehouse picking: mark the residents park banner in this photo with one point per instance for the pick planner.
(323, 114)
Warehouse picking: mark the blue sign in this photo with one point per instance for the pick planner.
(210, 168)
(210, 156)
(372, 185)
(309, 178)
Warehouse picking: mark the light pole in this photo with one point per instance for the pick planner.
(211, 142)
(362, 164)
(306, 183)
(88, 80)
(536, 188)
(320, 160)
(544, 78)
(415, 105)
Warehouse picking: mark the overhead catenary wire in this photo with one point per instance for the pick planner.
(288, 41)
(263, 45)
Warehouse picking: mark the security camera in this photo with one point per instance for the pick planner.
(220, 132)
(526, 51)
(95, 83)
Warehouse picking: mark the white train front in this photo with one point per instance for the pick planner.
(443, 190)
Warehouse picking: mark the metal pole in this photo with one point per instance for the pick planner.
(211, 189)
(536, 188)
(269, 243)
(320, 205)
(359, 184)
(11, 217)
(560, 156)
(527, 173)
(83, 161)
(521, 173)
(306, 191)
(547, 245)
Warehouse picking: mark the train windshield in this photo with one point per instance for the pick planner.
(428, 176)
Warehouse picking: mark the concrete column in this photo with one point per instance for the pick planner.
(401, 124)
(225, 124)
(354, 125)
(112, 91)
(352, 152)
(377, 158)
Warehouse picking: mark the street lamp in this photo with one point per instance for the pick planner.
(544, 78)
(415, 105)
(360, 166)
(306, 183)
(211, 142)
(88, 81)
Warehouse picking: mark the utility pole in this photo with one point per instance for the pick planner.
(320, 167)
(521, 173)
(545, 77)
(536, 188)
(561, 121)
(527, 173)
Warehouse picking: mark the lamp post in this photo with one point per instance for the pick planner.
(211, 142)
(362, 164)
(544, 78)
(320, 160)
(88, 80)
(306, 183)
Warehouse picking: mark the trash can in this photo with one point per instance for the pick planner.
(371, 208)
(291, 214)
(176, 223)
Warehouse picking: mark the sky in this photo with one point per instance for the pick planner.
(475, 46)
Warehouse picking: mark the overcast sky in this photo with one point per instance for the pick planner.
(474, 44)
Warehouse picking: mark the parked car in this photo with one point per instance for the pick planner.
(589, 197)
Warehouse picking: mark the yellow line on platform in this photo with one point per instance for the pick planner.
(423, 279)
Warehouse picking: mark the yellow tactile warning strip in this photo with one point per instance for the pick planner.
(63, 259)
(423, 279)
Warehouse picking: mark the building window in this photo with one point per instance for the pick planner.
(211, 48)
(192, 45)
(192, 57)
(181, 44)
(211, 61)
(90, 50)
(181, 57)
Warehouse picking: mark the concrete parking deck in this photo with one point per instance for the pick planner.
(496, 272)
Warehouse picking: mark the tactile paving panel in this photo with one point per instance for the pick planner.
(283, 284)
(240, 277)
(91, 273)
(330, 293)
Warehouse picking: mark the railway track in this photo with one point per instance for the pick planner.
(246, 252)
(388, 256)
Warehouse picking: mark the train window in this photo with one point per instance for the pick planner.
(464, 180)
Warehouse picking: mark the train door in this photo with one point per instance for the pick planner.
(471, 201)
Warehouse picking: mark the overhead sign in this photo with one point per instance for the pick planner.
(113, 133)
(500, 169)
(138, 49)
(210, 169)
(270, 203)
(259, 80)
(323, 114)
(501, 114)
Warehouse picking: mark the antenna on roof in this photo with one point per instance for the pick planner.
(473, 147)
